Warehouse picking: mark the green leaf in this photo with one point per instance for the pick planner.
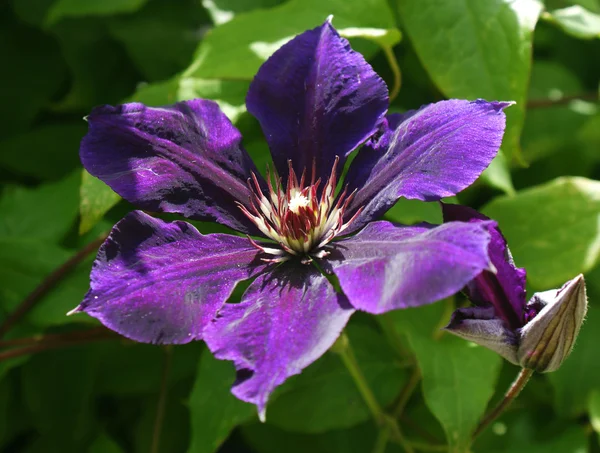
(266, 438)
(214, 410)
(130, 369)
(104, 444)
(23, 265)
(575, 21)
(96, 200)
(551, 130)
(58, 389)
(45, 213)
(101, 70)
(229, 94)
(539, 225)
(162, 36)
(325, 397)
(571, 440)
(22, 87)
(579, 376)
(458, 377)
(76, 8)
(474, 49)
(52, 151)
(236, 49)
(594, 409)
(497, 175)
(222, 11)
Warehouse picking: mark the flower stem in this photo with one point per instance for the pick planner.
(47, 284)
(407, 392)
(391, 58)
(512, 392)
(162, 401)
(346, 353)
(386, 423)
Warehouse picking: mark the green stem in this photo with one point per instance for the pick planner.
(407, 392)
(391, 58)
(162, 401)
(519, 383)
(382, 441)
(386, 423)
(346, 353)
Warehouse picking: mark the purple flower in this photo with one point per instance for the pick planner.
(316, 100)
(539, 334)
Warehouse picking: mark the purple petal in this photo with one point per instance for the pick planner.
(287, 319)
(316, 99)
(433, 153)
(185, 158)
(385, 266)
(505, 289)
(480, 325)
(160, 282)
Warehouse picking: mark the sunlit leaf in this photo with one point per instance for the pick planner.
(552, 229)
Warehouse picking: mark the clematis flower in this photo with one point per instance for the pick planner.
(317, 101)
(539, 334)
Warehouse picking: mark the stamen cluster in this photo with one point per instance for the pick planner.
(300, 218)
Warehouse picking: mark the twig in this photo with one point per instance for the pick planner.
(162, 402)
(44, 346)
(543, 103)
(47, 284)
(54, 338)
(513, 391)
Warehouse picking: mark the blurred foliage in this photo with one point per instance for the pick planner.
(62, 57)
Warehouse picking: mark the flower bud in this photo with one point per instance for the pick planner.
(548, 338)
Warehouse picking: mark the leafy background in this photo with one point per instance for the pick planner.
(67, 385)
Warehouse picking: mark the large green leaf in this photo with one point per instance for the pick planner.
(325, 397)
(101, 72)
(76, 8)
(476, 49)
(579, 376)
(594, 410)
(96, 200)
(214, 410)
(45, 213)
(576, 21)
(104, 444)
(162, 36)
(459, 377)
(23, 89)
(222, 11)
(58, 389)
(266, 438)
(51, 151)
(229, 94)
(552, 229)
(551, 130)
(236, 49)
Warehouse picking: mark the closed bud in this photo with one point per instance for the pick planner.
(548, 338)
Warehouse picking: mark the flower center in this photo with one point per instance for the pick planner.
(300, 219)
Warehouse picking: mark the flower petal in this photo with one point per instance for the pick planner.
(385, 266)
(287, 319)
(185, 158)
(159, 282)
(315, 99)
(504, 289)
(429, 154)
(480, 325)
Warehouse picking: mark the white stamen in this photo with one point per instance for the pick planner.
(296, 202)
